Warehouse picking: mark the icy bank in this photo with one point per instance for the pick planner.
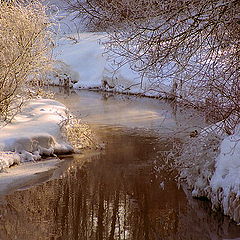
(83, 63)
(34, 132)
(225, 182)
(211, 166)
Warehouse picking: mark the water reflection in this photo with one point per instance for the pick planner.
(129, 111)
(113, 194)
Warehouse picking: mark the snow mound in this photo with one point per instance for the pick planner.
(225, 182)
(210, 164)
(34, 132)
(8, 159)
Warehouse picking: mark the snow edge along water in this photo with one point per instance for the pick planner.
(34, 132)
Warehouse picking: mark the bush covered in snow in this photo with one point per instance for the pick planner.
(25, 51)
(196, 162)
(210, 164)
(79, 134)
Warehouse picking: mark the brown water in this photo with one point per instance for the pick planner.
(127, 191)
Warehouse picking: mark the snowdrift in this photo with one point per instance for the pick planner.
(83, 63)
(225, 182)
(210, 164)
(34, 132)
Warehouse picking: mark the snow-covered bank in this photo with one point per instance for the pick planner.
(34, 132)
(210, 164)
(82, 62)
(225, 182)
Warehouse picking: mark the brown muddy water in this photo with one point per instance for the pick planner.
(126, 191)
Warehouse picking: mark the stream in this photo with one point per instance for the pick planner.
(128, 190)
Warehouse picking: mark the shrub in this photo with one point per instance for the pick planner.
(25, 43)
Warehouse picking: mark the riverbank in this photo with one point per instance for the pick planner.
(131, 180)
(84, 64)
(34, 132)
(210, 165)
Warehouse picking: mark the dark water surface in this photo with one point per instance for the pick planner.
(126, 191)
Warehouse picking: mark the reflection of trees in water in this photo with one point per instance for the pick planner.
(114, 196)
(114, 204)
(118, 198)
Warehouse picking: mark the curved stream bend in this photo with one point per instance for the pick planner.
(124, 192)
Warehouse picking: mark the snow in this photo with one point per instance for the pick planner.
(82, 59)
(8, 159)
(225, 182)
(34, 132)
(210, 164)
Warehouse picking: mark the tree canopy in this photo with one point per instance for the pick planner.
(194, 44)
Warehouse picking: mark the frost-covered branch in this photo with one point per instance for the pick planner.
(25, 43)
(193, 45)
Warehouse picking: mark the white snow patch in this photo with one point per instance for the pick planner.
(213, 171)
(84, 59)
(8, 159)
(34, 132)
(225, 182)
(84, 64)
